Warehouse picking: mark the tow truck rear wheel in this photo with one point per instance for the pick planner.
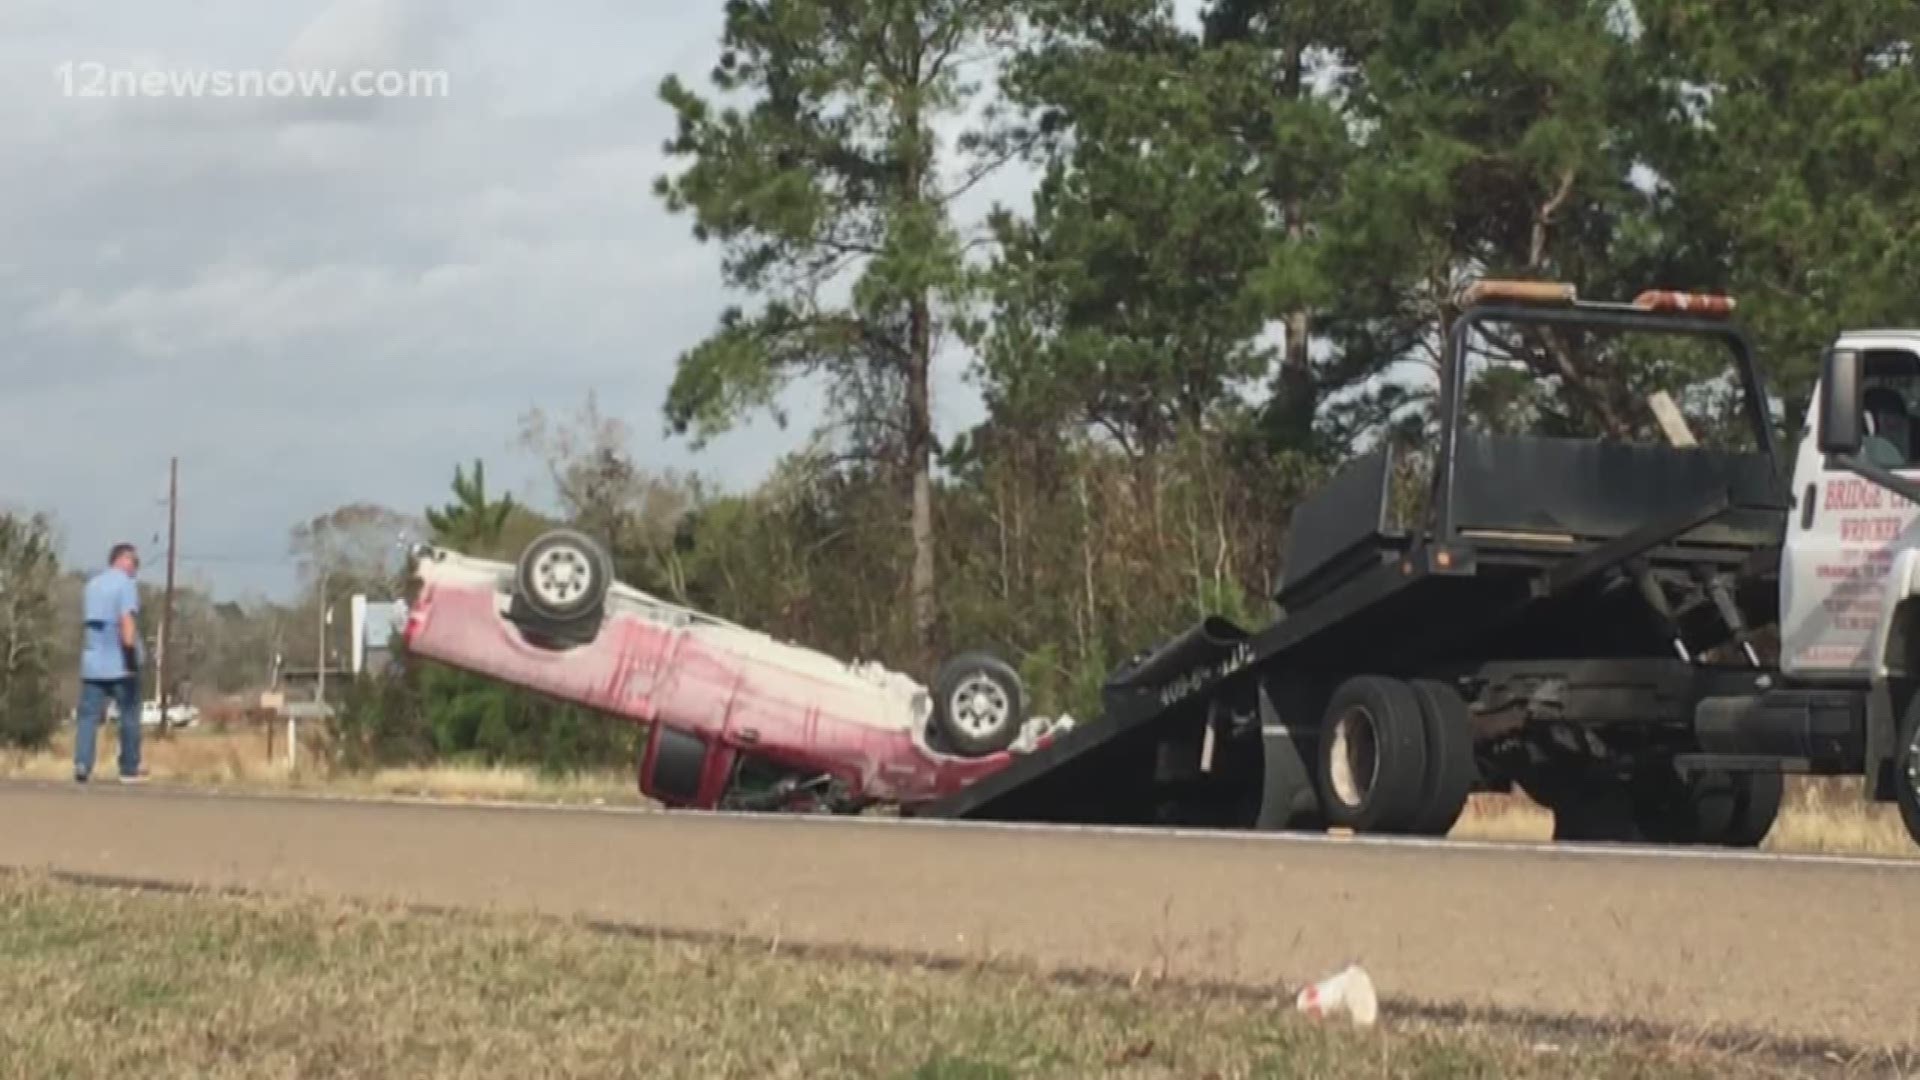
(1372, 756)
(1451, 769)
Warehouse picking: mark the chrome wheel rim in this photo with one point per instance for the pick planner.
(979, 706)
(560, 576)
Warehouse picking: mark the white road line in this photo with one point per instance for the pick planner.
(1505, 847)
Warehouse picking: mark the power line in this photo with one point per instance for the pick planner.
(166, 607)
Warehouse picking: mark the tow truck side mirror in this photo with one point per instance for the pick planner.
(1840, 403)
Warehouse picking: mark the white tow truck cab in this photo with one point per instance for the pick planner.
(1851, 535)
(1850, 564)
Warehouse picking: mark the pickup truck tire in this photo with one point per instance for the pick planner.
(563, 577)
(1371, 761)
(1451, 769)
(979, 704)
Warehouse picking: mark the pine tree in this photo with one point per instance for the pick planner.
(1503, 141)
(471, 522)
(830, 194)
(1790, 161)
(1128, 300)
(28, 571)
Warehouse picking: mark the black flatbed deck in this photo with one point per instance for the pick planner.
(1358, 618)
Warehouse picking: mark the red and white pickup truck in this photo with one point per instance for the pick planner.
(735, 718)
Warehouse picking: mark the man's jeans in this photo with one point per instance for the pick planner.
(93, 708)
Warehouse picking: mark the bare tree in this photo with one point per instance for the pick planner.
(636, 513)
(28, 573)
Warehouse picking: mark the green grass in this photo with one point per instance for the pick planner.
(105, 982)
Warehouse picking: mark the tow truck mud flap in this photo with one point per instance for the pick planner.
(1288, 798)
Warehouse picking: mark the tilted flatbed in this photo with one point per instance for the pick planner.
(1582, 618)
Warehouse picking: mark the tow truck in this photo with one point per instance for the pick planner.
(1645, 635)
(1644, 629)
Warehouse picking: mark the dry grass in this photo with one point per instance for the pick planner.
(1831, 815)
(241, 759)
(103, 982)
(1821, 815)
(1504, 817)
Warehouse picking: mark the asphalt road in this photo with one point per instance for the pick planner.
(1796, 948)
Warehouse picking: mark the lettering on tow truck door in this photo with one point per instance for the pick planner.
(1847, 530)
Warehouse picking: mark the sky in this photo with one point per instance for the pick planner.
(316, 301)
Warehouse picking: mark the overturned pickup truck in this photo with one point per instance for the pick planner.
(736, 720)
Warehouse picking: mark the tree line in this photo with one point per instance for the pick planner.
(1244, 249)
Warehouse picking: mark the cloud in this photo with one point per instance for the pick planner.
(312, 302)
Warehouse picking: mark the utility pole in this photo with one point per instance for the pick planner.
(320, 672)
(166, 602)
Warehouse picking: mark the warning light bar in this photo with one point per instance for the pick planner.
(1522, 292)
(1667, 300)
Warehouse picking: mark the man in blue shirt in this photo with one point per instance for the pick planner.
(110, 662)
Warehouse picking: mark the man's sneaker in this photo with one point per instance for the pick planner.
(79, 778)
(136, 778)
